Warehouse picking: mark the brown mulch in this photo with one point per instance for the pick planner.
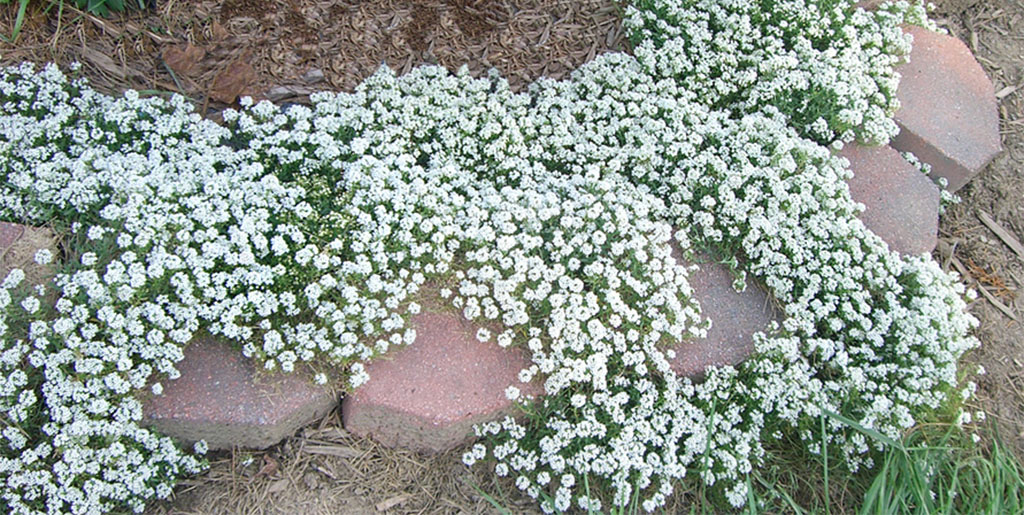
(326, 470)
(993, 200)
(213, 51)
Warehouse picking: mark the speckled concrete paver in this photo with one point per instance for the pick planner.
(948, 115)
(9, 233)
(735, 317)
(220, 398)
(18, 246)
(428, 395)
(901, 203)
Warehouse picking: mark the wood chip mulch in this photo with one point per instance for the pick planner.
(215, 51)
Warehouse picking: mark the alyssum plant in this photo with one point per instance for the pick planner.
(310, 235)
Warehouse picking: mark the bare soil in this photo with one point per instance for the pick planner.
(992, 30)
(213, 51)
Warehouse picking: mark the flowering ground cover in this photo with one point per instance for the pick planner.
(305, 235)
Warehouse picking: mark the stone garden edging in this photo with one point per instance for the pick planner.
(428, 396)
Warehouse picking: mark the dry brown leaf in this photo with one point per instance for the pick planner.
(104, 62)
(269, 468)
(218, 31)
(231, 82)
(278, 486)
(183, 59)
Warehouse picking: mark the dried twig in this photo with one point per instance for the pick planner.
(340, 451)
(953, 260)
(960, 268)
(113, 29)
(1005, 92)
(1003, 234)
(999, 305)
(392, 502)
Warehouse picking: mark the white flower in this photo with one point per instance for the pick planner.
(30, 304)
(13, 278)
(578, 400)
(512, 393)
(549, 212)
(43, 256)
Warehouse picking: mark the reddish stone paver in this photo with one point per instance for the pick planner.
(869, 5)
(18, 246)
(902, 204)
(427, 396)
(221, 399)
(9, 233)
(735, 317)
(948, 115)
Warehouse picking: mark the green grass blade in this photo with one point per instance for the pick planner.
(19, 20)
(866, 430)
(492, 501)
(824, 456)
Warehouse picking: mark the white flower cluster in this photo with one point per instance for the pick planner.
(312, 233)
(826, 65)
(177, 233)
(867, 323)
(946, 197)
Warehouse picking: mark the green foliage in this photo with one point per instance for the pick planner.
(18, 21)
(937, 469)
(97, 7)
(105, 7)
(934, 468)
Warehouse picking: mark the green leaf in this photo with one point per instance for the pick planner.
(96, 7)
(19, 20)
(866, 430)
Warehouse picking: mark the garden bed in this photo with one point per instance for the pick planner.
(271, 473)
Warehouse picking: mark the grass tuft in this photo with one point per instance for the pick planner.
(938, 469)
